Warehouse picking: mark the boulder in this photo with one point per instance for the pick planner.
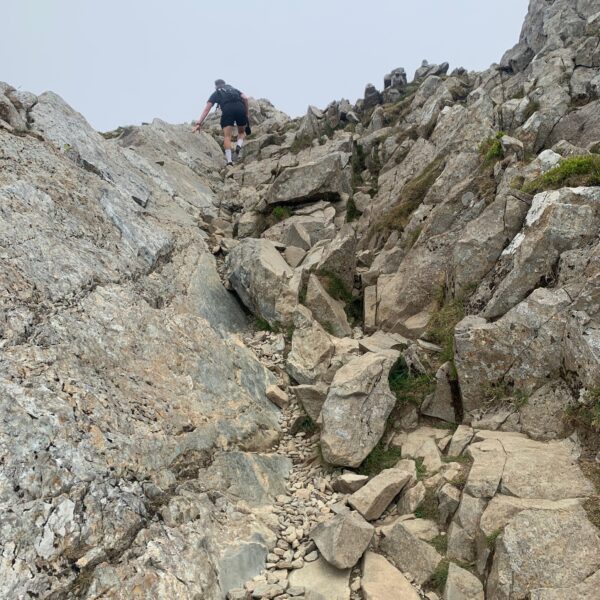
(321, 581)
(356, 409)
(520, 347)
(262, 280)
(488, 466)
(348, 483)
(411, 499)
(543, 416)
(343, 539)
(535, 540)
(326, 178)
(461, 438)
(408, 553)
(312, 349)
(440, 404)
(578, 591)
(462, 585)
(339, 257)
(329, 312)
(374, 497)
(382, 581)
(277, 396)
(311, 398)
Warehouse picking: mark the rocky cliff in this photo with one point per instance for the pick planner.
(362, 363)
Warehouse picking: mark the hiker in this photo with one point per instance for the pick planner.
(234, 111)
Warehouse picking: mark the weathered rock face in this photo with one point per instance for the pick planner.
(119, 378)
(565, 539)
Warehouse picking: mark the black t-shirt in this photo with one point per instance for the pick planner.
(225, 96)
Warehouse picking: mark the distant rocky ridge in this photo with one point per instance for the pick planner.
(425, 409)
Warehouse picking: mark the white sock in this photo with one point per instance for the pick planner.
(228, 155)
(240, 143)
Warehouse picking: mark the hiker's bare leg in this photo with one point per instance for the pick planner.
(227, 131)
(241, 136)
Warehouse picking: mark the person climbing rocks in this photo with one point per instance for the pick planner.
(234, 111)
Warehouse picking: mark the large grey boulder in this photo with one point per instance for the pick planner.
(326, 178)
(343, 539)
(263, 280)
(535, 539)
(356, 409)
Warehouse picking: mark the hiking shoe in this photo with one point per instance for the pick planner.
(238, 150)
(230, 164)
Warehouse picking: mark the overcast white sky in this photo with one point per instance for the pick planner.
(126, 61)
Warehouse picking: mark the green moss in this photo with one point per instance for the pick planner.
(571, 172)
(491, 149)
(412, 195)
(281, 212)
(379, 459)
(413, 237)
(262, 324)
(352, 213)
(409, 388)
(491, 539)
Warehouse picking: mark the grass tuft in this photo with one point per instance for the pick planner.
(440, 329)
(491, 539)
(574, 171)
(491, 149)
(440, 575)
(429, 508)
(281, 212)
(262, 324)
(440, 543)
(379, 459)
(411, 197)
(409, 388)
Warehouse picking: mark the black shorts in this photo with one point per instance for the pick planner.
(234, 114)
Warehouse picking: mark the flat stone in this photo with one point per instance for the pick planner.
(321, 581)
(460, 440)
(462, 585)
(488, 465)
(373, 498)
(277, 396)
(382, 581)
(348, 483)
(411, 499)
(408, 553)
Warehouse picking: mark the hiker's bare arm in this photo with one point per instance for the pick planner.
(205, 112)
(245, 99)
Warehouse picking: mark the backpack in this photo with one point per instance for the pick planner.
(228, 94)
